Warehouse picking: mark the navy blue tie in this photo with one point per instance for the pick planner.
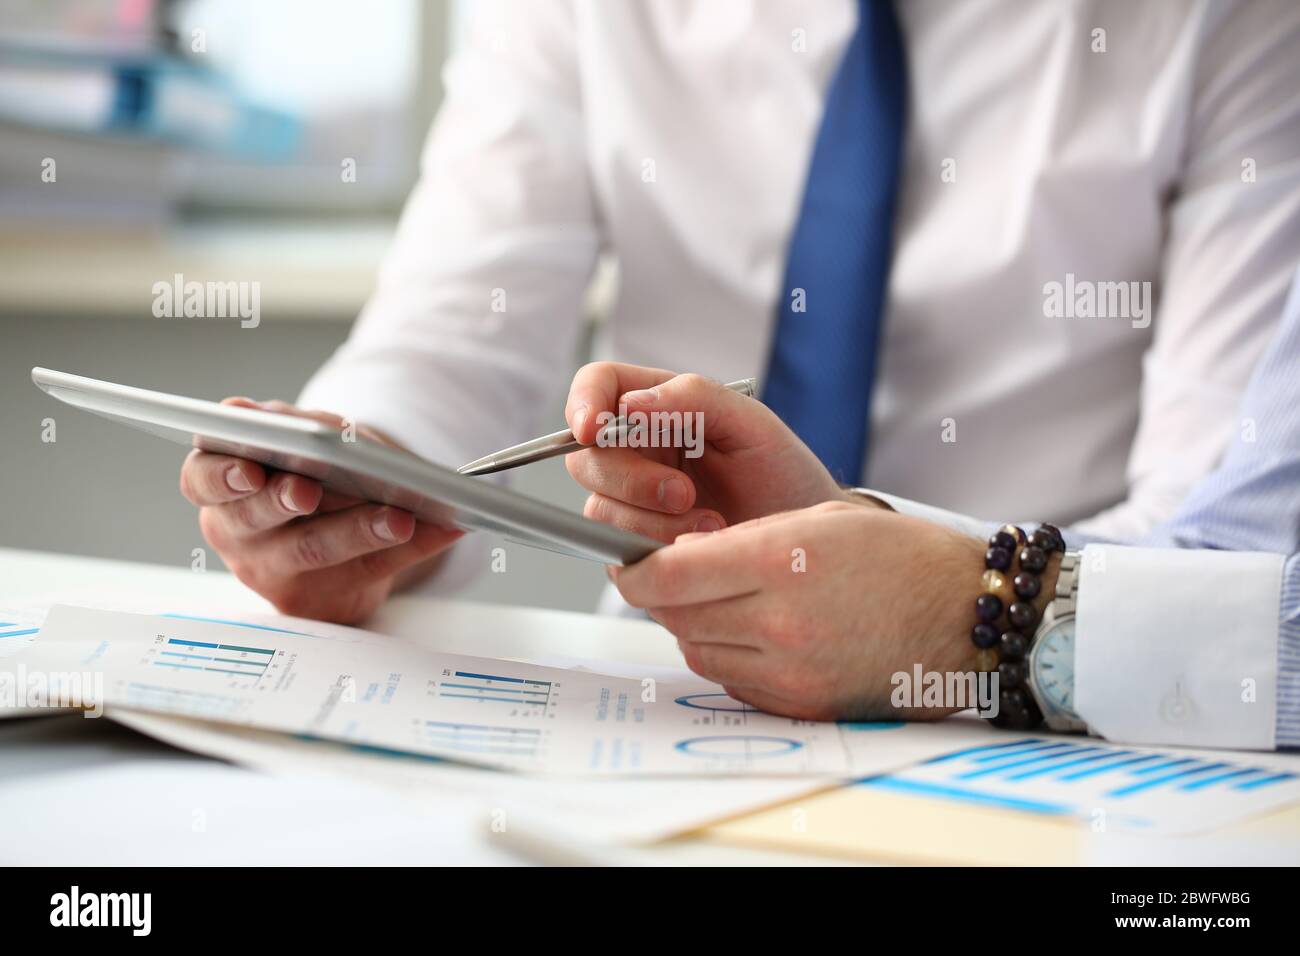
(823, 360)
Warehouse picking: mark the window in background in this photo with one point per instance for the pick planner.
(350, 73)
(154, 104)
(144, 138)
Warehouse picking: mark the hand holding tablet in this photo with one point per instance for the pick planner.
(311, 552)
(303, 510)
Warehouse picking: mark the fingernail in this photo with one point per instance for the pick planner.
(708, 523)
(236, 480)
(579, 418)
(379, 525)
(673, 494)
(644, 396)
(286, 498)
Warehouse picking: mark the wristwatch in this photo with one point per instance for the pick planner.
(1051, 655)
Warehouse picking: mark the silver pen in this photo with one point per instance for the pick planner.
(563, 442)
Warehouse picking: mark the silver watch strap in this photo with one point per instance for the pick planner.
(1067, 584)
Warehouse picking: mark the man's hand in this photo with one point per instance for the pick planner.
(309, 552)
(751, 464)
(809, 613)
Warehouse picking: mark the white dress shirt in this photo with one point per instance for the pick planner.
(675, 135)
(1196, 642)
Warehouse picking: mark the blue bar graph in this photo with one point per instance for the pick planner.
(1083, 777)
(532, 695)
(236, 660)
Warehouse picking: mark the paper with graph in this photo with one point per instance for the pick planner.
(1105, 785)
(383, 693)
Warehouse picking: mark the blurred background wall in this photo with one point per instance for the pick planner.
(144, 138)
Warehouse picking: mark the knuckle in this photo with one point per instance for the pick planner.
(592, 373)
(364, 529)
(310, 548)
(602, 508)
(643, 481)
(204, 481)
(772, 557)
(693, 383)
(633, 485)
(239, 513)
(669, 527)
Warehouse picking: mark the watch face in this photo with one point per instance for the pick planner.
(1053, 666)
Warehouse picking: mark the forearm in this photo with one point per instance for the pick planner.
(1173, 646)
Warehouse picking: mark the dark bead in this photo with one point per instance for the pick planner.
(1022, 615)
(1003, 539)
(1032, 559)
(1011, 708)
(1033, 716)
(1013, 645)
(999, 559)
(1011, 674)
(1027, 585)
(984, 635)
(1056, 533)
(988, 607)
(1017, 711)
(1043, 539)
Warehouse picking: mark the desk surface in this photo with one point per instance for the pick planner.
(155, 804)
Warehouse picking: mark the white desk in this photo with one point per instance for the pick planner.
(78, 791)
(88, 792)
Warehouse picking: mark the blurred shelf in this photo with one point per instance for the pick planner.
(307, 269)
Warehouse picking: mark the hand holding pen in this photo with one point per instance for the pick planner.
(617, 433)
(751, 463)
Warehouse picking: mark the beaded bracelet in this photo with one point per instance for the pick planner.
(1006, 615)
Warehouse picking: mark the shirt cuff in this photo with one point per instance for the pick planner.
(1178, 647)
(949, 519)
(363, 394)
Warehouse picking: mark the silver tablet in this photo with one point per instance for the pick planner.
(361, 468)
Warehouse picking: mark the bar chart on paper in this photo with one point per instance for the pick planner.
(246, 664)
(1105, 785)
(394, 695)
(517, 696)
